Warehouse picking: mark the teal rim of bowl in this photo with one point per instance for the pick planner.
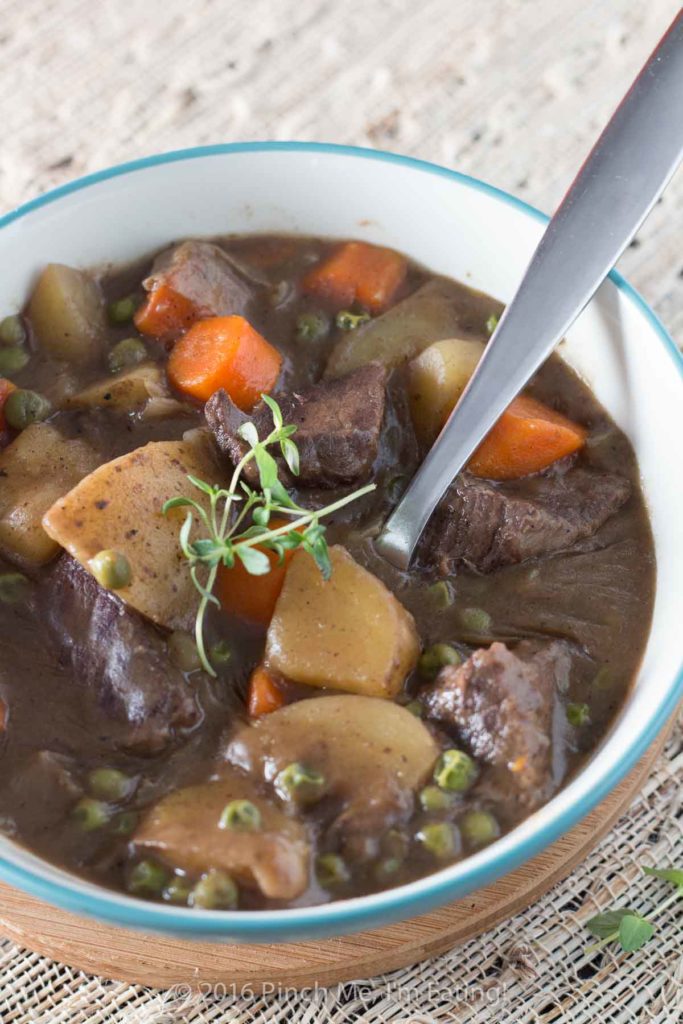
(432, 890)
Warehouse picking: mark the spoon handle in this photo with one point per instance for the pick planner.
(613, 192)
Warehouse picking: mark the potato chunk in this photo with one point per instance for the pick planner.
(347, 633)
(373, 754)
(436, 379)
(183, 830)
(433, 312)
(67, 314)
(36, 469)
(119, 506)
(124, 392)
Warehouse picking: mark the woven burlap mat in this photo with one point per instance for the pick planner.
(512, 91)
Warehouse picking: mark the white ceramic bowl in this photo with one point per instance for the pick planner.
(454, 225)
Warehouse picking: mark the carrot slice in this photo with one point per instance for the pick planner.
(224, 352)
(6, 389)
(358, 272)
(165, 314)
(253, 597)
(528, 437)
(264, 694)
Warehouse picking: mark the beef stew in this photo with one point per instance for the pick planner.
(213, 690)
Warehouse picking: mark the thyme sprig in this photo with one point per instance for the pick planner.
(627, 927)
(227, 540)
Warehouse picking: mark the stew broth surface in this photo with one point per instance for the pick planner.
(595, 597)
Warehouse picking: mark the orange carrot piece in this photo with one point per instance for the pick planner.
(252, 597)
(528, 437)
(264, 694)
(166, 314)
(358, 272)
(6, 389)
(224, 352)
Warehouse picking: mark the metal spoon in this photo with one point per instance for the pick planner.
(615, 189)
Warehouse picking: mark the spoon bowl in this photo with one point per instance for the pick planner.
(615, 189)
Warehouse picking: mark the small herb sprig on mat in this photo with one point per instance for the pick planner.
(230, 508)
(629, 928)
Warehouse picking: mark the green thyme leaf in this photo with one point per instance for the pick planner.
(227, 535)
(267, 467)
(290, 453)
(282, 497)
(254, 561)
(248, 433)
(607, 924)
(673, 875)
(177, 503)
(206, 550)
(275, 410)
(261, 516)
(202, 485)
(634, 932)
(184, 535)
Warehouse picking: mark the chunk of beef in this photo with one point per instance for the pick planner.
(338, 427)
(483, 525)
(118, 656)
(501, 705)
(206, 275)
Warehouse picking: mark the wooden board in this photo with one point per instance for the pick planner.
(163, 962)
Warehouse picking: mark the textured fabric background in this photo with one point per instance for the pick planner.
(513, 91)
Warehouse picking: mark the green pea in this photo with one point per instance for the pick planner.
(603, 679)
(14, 587)
(91, 814)
(578, 714)
(147, 879)
(126, 353)
(348, 321)
(360, 848)
(111, 784)
(331, 870)
(12, 330)
(299, 783)
(434, 799)
(479, 828)
(395, 843)
(12, 360)
(220, 653)
(111, 569)
(183, 652)
(240, 816)
(455, 771)
(121, 311)
(492, 323)
(439, 838)
(435, 658)
(178, 890)
(441, 594)
(415, 708)
(124, 824)
(23, 407)
(475, 619)
(215, 891)
(312, 326)
(387, 868)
